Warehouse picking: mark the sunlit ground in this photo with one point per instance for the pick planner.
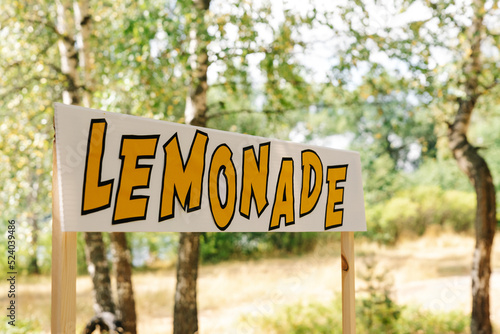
(432, 272)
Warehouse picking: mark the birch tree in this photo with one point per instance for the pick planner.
(185, 308)
(76, 65)
(95, 249)
(204, 35)
(126, 311)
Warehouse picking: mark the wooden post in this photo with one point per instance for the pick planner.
(348, 291)
(63, 318)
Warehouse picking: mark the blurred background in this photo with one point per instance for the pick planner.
(410, 84)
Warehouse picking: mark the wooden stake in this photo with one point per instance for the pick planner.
(348, 291)
(63, 266)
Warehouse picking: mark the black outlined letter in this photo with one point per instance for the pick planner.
(130, 207)
(222, 209)
(183, 180)
(284, 201)
(311, 162)
(334, 175)
(254, 180)
(96, 193)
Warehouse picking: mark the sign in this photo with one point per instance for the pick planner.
(119, 172)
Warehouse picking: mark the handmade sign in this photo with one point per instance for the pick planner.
(124, 173)
(115, 172)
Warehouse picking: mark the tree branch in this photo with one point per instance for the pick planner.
(267, 112)
(20, 87)
(48, 25)
(489, 87)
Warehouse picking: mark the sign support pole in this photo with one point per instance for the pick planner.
(63, 317)
(348, 291)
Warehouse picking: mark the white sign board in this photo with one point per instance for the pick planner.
(125, 173)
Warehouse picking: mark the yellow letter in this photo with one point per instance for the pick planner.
(183, 180)
(130, 207)
(309, 197)
(254, 180)
(284, 202)
(221, 164)
(96, 193)
(334, 175)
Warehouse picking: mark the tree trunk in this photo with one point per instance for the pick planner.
(472, 164)
(122, 264)
(68, 52)
(82, 24)
(185, 309)
(196, 103)
(97, 264)
(475, 167)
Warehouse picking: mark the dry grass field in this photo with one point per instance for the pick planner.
(431, 271)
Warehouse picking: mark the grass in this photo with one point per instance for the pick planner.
(302, 318)
(233, 296)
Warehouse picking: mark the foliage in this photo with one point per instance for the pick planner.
(384, 80)
(294, 243)
(140, 65)
(387, 120)
(485, 135)
(380, 178)
(319, 317)
(418, 321)
(21, 327)
(24, 254)
(148, 248)
(27, 91)
(376, 312)
(439, 172)
(391, 81)
(81, 261)
(411, 211)
(216, 247)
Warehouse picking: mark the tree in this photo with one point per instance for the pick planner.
(446, 54)
(124, 288)
(26, 131)
(98, 268)
(95, 250)
(68, 52)
(78, 90)
(476, 168)
(185, 307)
(203, 32)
